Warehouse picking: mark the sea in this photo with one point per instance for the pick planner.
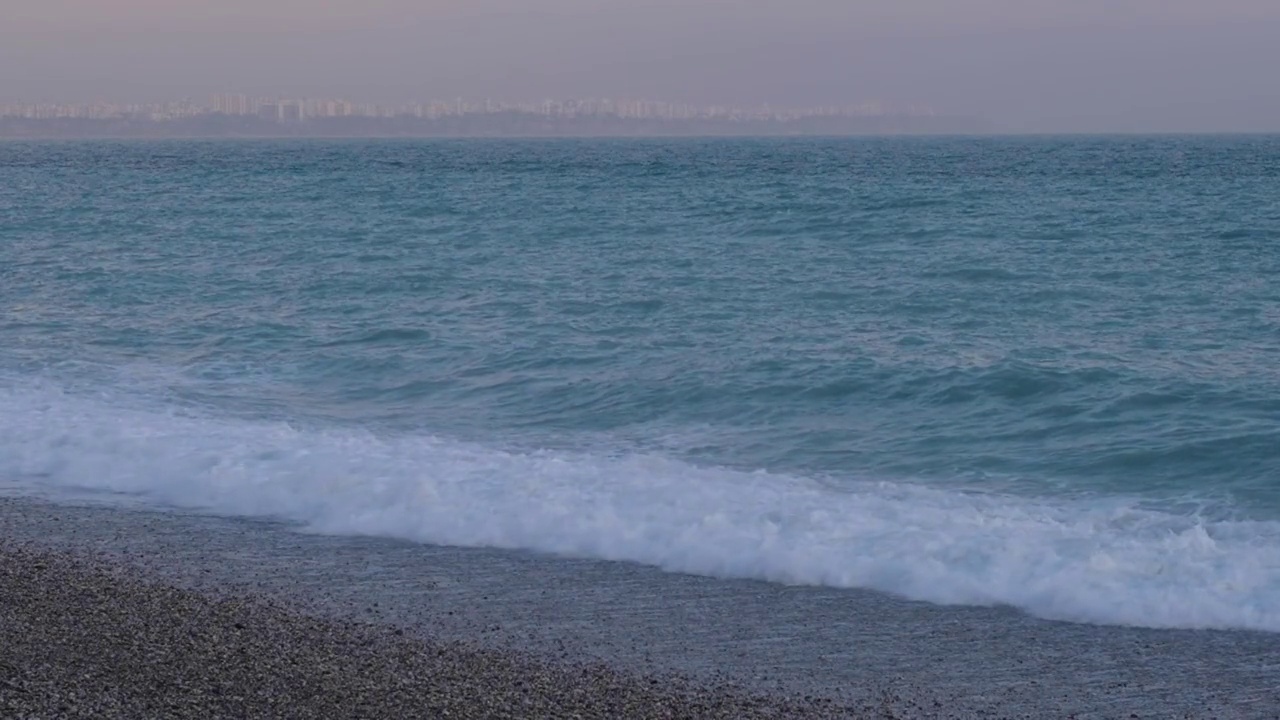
(1032, 373)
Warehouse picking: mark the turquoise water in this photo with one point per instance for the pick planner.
(1042, 372)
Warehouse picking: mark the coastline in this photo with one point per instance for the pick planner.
(677, 646)
(86, 639)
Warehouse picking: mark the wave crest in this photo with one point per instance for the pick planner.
(1095, 560)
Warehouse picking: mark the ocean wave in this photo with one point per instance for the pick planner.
(1104, 559)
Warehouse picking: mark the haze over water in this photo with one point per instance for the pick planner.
(1037, 372)
(1025, 65)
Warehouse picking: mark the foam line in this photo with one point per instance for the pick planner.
(1106, 560)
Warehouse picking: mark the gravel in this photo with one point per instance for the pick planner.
(91, 638)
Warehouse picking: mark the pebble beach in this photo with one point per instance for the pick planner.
(80, 639)
(110, 613)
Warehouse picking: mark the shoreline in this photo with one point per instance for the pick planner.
(87, 639)
(731, 640)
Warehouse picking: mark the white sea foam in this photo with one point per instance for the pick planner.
(1105, 561)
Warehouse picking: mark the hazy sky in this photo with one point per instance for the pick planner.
(1030, 64)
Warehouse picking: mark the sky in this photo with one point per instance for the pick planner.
(1027, 65)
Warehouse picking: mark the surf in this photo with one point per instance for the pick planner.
(1095, 559)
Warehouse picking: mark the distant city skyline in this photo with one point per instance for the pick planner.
(245, 115)
(286, 108)
(1033, 65)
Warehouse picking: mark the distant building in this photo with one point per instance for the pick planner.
(231, 104)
